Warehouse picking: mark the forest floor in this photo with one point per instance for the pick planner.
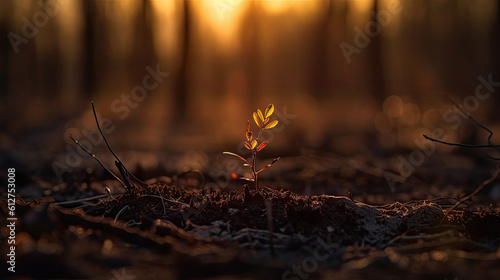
(316, 215)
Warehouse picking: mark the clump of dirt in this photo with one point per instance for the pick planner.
(225, 214)
(482, 227)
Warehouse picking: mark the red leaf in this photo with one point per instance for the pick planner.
(262, 145)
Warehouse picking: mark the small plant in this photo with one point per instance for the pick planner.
(255, 145)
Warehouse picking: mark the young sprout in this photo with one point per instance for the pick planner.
(255, 145)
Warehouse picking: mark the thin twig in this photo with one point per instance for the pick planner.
(429, 236)
(164, 207)
(109, 147)
(490, 133)
(470, 117)
(103, 166)
(459, 144)
(466, 145)
(478, 189)
(102, 134)
(163, 198)
(108, 192)
(80, 200)
(124, 173)
(489, 145)
(120, 212)
(132, 223)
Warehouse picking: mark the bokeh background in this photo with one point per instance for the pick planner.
(355, 84)
(226, 58)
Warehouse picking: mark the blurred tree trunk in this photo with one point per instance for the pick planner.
(376, 61)
(143, 46)
(5, 51)
(88, 50)
(180, 79)
(250, 50)
(495, 61)
(320, 70)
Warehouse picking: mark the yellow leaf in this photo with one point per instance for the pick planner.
(248, 125)
(260, 115)
(269, 110)
(256, 119)
(254, 143)
(271, 124)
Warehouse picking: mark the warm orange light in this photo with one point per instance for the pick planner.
(298, 7)
(276, 6)
(221, 17)
(361, 5)
(122, 15)
(359, 10)
(167, 17)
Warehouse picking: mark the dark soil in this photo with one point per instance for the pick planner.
(178, 229)
(224, 215)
